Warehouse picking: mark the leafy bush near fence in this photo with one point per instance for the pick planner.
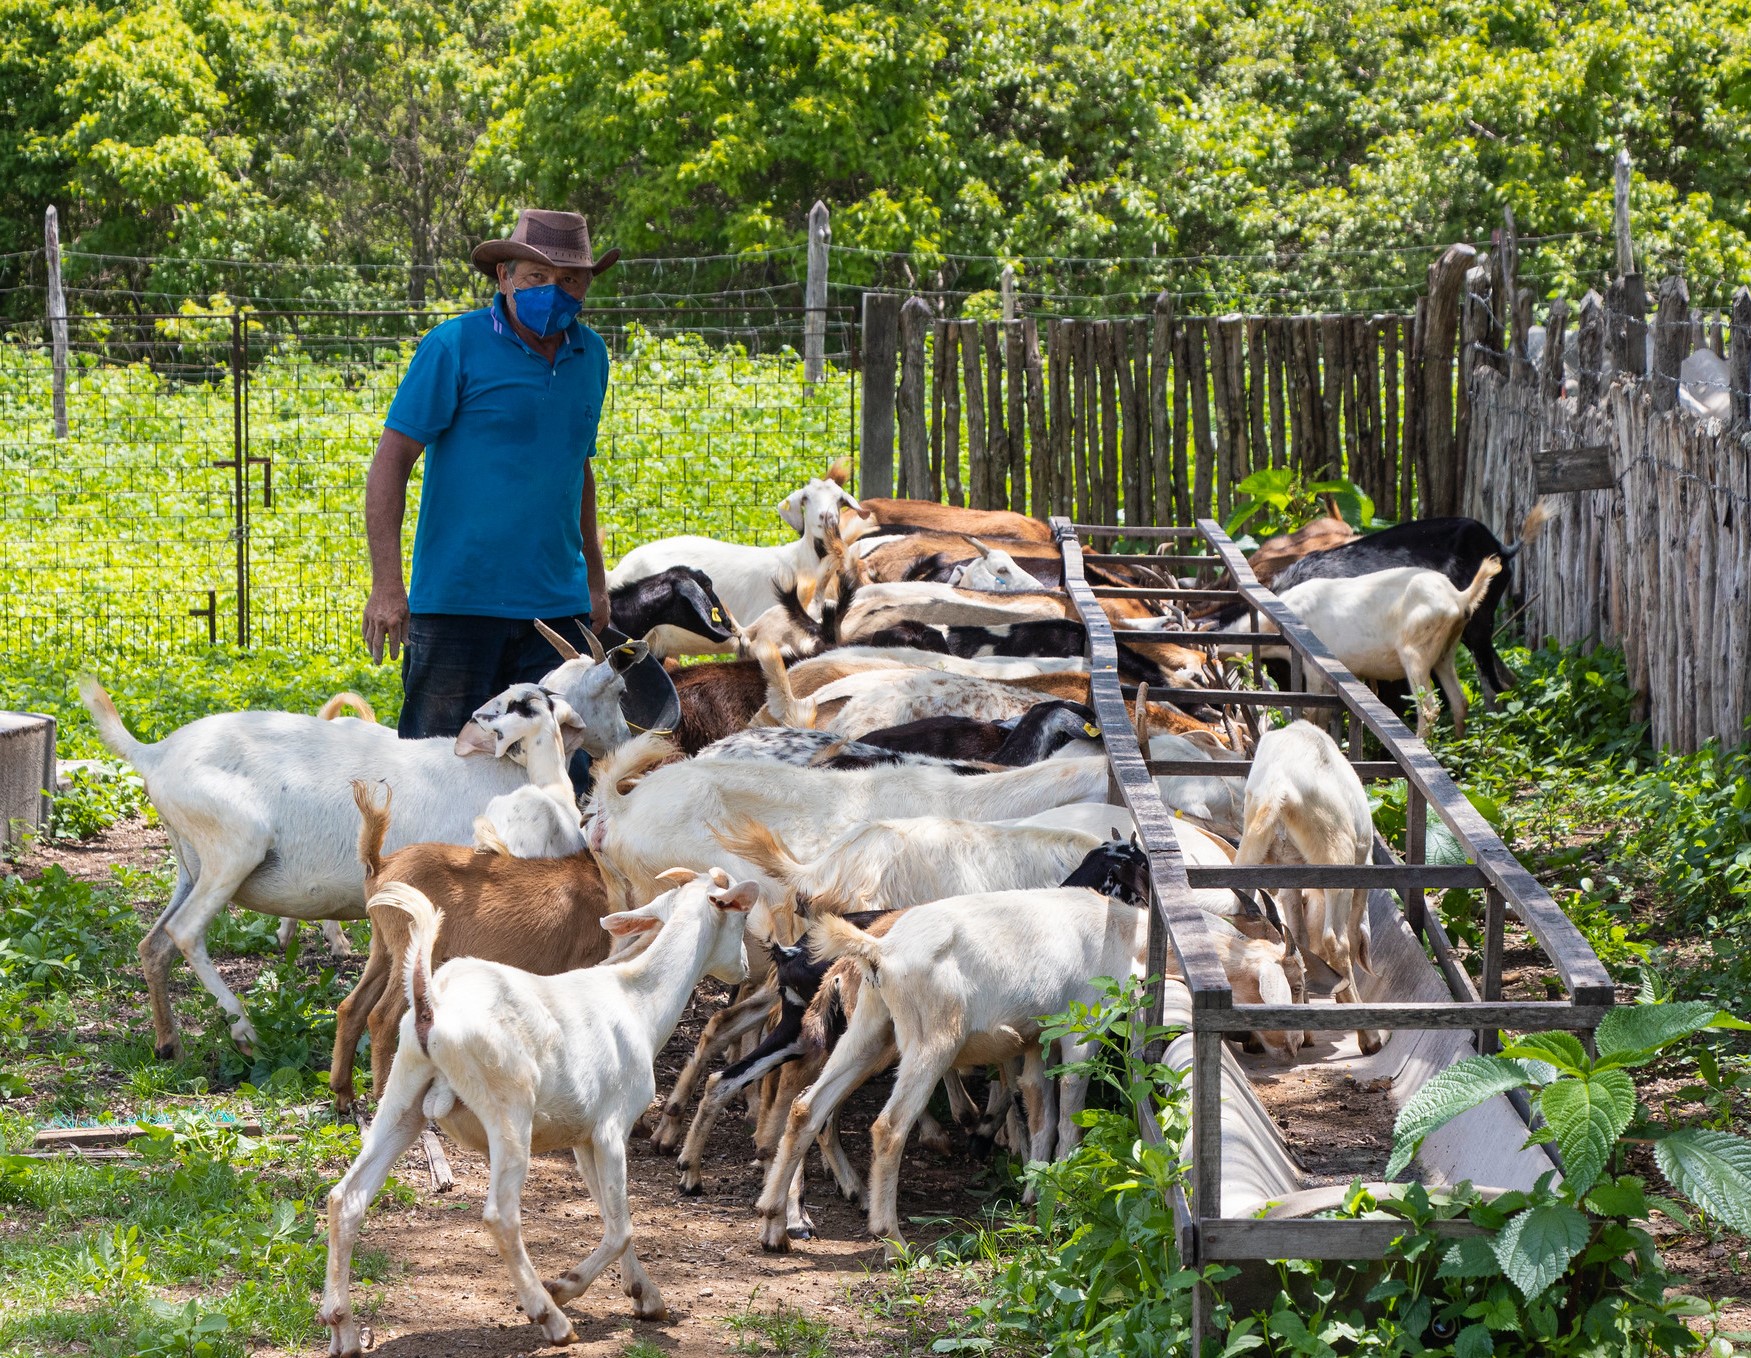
(1566, 1271)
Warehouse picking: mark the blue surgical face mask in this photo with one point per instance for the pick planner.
(547, 309)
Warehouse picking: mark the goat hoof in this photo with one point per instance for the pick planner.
(168, 1051)
(980, 1147)
(691, 1190)
(799, 1233)
(775, 1243)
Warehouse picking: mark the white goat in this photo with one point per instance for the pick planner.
(516, 1064)
(1305, 804)
(892, 864)
(803, 507)
(744, 578)
(259, 810)
(1403, 623)
(876, 699)
(884, 605)
(643, 818)
(542, 819)
(956, 981)
(995, 570)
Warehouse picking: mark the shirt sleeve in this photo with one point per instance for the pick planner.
(425, 402)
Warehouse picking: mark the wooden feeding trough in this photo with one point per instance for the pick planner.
(1247, 1198)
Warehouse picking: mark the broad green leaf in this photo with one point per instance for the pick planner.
(1562, 1050)
(1713, 1170)
(1470, 1256)
(1473, 1342)
(1463, 1085)
(1587, 1116)
(1535, 1247)
(1623, 1198)
(1631, 1035)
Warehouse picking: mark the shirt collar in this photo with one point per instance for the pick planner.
(501, 325)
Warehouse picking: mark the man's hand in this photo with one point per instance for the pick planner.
(386, 621)
(599, 606)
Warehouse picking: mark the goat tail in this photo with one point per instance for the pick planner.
(781, 699)
(1532, 525)
(817, 1030)
(1488, 569)
(373, 827)
(343, 700)
(424, 920)
(109, 723)
(750, 840)
(832, 937)
(487, 838)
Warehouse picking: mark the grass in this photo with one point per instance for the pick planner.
(783, 1332)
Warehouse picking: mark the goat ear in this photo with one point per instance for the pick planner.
(741, 896)
(566, 650)
(624, 656)
(679, 876)
(839, 473)
(475, 739)
(626, 923)
(564, 714)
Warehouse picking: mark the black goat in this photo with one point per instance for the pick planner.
(1027, 739)
(681, 598)
(1118, 869)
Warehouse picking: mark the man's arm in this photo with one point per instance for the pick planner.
(385, 508)
(598, 573)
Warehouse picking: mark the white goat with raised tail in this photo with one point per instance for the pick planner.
(541, 820)
(515, 1064)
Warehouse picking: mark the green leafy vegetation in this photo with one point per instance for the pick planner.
(1296, 149)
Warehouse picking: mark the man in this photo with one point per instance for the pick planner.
(504, 402)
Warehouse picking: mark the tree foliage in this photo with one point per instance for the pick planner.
(1315, 148)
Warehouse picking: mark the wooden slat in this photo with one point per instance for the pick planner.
(1160, 435)
(1233, 1239)
(1368, 770)
(1107, 482)
(938, 369)
(1521, 1016)
(1039, 441)
(978, 451)
(996, 430)
(1276, 353)
(1015, 402)
(1203, 444)
(1181, 433)
(1342, 876)
(1196, 638)
(914, 435)
(1247, 697)
(1058, 380)
(118, 1134)
(1087, 433)
(1389, 435)
(1131, 432)
(1158, 531)
(1115, 592)
(950, 336)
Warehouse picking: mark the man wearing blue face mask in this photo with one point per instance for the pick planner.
(504, 404)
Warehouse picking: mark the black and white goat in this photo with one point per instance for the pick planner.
(676, 611)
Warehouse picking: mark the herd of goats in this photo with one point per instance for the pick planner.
(886, 825)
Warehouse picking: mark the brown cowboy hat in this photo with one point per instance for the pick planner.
(560, 240)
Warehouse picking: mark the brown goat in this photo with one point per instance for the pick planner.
(539, 914)
(1000, 523)
(718, 699)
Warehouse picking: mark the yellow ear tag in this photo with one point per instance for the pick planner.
(717, 615)
(1090, 730)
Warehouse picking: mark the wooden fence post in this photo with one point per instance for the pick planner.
(881, 342)
(948, 335)
(915, 318)
(1739, 360)
(1626, 299)
(996, 422)
(1520, 362)
(1015, 398)
(1590, 351)
(978, 463)
(1006, 290)
(1159, 438)
(1439, 340)
(1039, 440)
(57, 316)
(815, 296)
(1551, 360)
(1671, 340)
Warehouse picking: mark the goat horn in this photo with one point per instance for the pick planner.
(594, 643)
(566, 650)
(983, 549)
(1140, 719)
(721, 877)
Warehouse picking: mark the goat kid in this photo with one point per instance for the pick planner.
(542, 819)
(515, 1064)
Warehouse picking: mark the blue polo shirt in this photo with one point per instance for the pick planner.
(507, 437)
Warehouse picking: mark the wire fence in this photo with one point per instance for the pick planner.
(211, 485)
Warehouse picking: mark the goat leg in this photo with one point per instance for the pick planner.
(724, 1027)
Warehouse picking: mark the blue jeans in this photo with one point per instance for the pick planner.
(454, 662)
